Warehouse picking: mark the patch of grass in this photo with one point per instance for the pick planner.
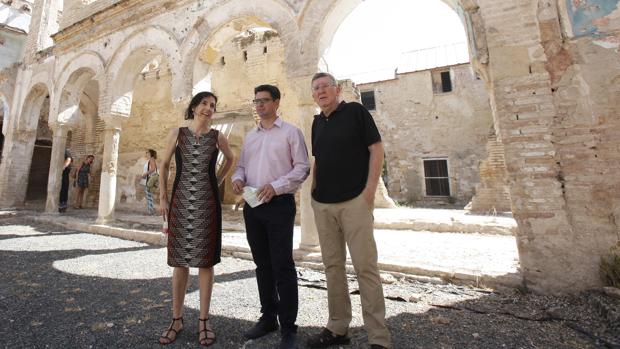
(610, 267)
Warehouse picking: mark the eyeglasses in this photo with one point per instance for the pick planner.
(321, 87)
(261, 101)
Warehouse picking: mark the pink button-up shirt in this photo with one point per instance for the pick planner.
(276, 156)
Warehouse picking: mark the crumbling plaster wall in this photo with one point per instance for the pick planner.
(583, 61)
(249, 59)
(558, 141)
(153, 116)
(252, 60)
(418, 124)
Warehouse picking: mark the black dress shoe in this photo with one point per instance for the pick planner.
(326, 339)
(288, 341)
(261, 328)
(377, 346)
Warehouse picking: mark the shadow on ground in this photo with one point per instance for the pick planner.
(41, 306)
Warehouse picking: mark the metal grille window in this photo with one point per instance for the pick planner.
(368, 100)
(436, 177)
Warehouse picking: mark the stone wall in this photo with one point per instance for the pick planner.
(417, 124)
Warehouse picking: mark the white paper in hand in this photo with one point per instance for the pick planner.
(250, 195)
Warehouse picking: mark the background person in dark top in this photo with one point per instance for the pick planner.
(64, 184)
(348, 158)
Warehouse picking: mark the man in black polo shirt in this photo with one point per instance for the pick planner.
(348, 160)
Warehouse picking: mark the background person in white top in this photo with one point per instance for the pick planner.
(150, 168)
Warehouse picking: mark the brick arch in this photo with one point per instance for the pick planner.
(32, 104)
(132, 55)
(73, 78)
(214, 23)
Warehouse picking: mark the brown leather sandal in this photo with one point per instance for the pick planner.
(171, 329)
(207, 341)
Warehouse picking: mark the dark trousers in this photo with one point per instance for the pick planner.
(64, 189)
(269, 230)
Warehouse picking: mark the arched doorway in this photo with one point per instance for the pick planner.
(151, 118)
(86, 139)
(232, 61)
(431, 107)
(36, 190)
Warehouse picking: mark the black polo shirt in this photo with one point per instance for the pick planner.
(340, 147)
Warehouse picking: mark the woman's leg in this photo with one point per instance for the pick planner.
(180, 276)
(78, 198)
(149, 200)
(81, 196)
(206, 288)
(205, 276)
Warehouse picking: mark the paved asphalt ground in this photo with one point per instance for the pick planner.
(68, 289)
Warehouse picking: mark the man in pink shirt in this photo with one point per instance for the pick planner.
(274, 161)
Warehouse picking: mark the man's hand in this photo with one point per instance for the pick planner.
(237, 186)
(266, 193)
(369, 197)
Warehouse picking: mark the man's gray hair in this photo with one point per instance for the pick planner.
(323, 75)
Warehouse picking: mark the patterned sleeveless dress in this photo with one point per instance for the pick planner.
(195, 221)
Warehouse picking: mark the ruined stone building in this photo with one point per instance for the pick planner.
(111, 77)
(436, 121)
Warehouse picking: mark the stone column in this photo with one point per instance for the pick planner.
(107, 189)
(309, 233)
(306, 111)
(59, 143)
(15, 167)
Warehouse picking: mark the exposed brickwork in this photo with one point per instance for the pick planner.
(492, 194)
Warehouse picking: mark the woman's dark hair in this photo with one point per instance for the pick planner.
(273, 91)
(189, 113)
(153, 153)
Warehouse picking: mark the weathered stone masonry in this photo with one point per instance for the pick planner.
(552, 70)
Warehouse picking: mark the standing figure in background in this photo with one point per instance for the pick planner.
(83, 174)
(64, 183)
(194, 211)
(150, 169)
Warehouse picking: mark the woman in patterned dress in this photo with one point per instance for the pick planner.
(193, 212)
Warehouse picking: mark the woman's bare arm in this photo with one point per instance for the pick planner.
(164, 168)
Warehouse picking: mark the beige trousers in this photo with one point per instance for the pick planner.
(343, 224)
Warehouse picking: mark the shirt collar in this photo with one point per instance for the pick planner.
(338, 108)
(277, 123)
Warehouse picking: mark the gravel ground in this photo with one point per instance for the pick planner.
(68, 289)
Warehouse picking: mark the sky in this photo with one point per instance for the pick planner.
(374, 35)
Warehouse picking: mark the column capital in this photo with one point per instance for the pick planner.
(112, 122)
(61, 127)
